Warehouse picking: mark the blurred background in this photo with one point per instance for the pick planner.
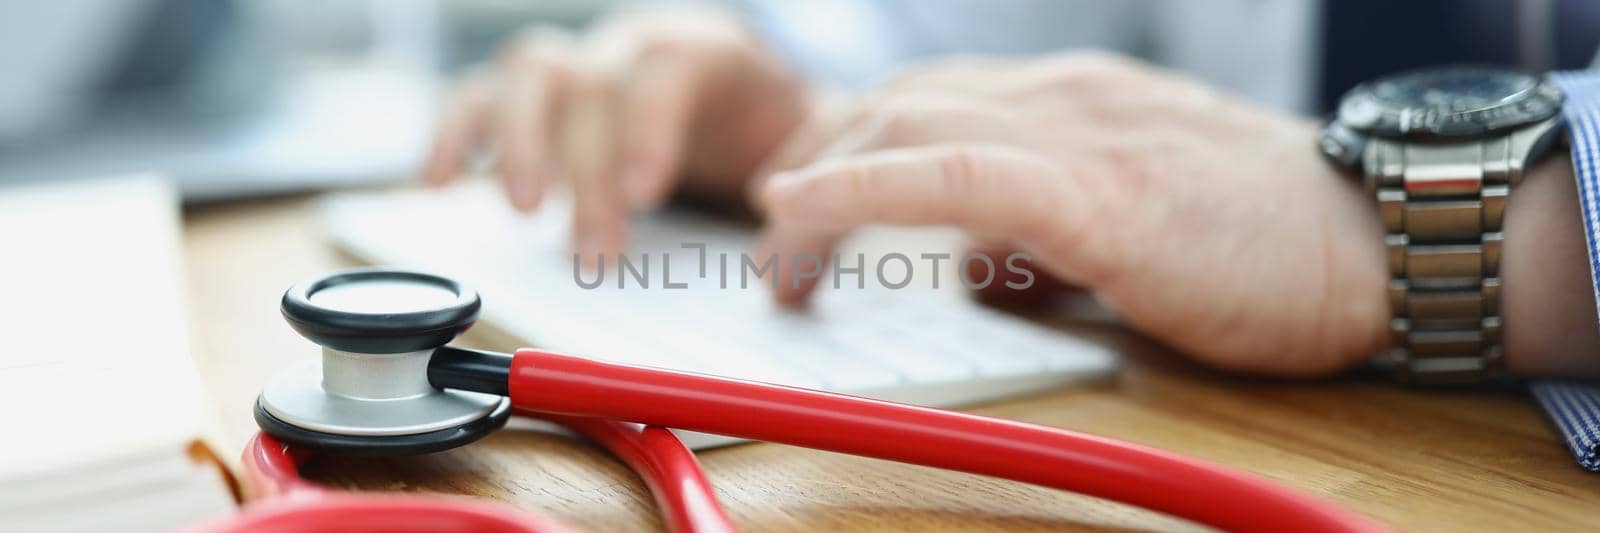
(241, 98)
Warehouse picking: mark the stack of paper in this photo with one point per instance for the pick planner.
(106, 421)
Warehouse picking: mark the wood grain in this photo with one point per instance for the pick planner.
(1423, 461)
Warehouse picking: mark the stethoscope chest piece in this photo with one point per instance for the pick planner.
(369, 393)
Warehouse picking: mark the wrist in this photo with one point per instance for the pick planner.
(1547, 301)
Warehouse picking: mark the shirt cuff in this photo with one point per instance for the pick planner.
(1574, 408)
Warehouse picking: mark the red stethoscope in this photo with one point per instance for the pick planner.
(388, 385)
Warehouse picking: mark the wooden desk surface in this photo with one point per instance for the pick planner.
(1419, 460)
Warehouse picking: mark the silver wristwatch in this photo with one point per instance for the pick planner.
(1441, 149)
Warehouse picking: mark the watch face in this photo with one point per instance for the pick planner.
(1452, 89)
(1448, 102)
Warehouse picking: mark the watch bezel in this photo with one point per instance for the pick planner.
(1362, 110)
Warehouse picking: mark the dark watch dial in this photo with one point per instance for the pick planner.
(1453, 89)
(1448, 102)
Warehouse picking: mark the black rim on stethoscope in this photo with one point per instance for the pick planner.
(379, 332)
(383, 446)
(368, 395)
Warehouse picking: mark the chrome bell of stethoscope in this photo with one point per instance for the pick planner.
(370, 392)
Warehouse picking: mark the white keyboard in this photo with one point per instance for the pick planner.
(915, 345)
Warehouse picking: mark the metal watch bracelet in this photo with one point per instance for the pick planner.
(1442, 206)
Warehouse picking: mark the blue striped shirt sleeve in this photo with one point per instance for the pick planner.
(1574, 406)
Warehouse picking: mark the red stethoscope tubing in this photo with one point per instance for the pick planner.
(686, 500)
(545, 382)
(283, 501)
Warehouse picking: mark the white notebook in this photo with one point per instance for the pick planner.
(917, 344)
(108, 426)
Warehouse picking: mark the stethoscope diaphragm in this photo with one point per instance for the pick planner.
(369, 392)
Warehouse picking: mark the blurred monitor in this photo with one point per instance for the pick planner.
(236, 98)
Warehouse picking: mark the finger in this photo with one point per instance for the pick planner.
(970, 74)
(1082, 74)
(587, 155)
(657, 110)
(534, 72)
(1018, 280)
(799, 255)
(900, 120)
(833, 117)
(803, 146)
(1073, 72)
(462, 128)
(914, 119)
(985, 188)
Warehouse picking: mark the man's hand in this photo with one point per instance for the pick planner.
(1210, 224)
(645, 103)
